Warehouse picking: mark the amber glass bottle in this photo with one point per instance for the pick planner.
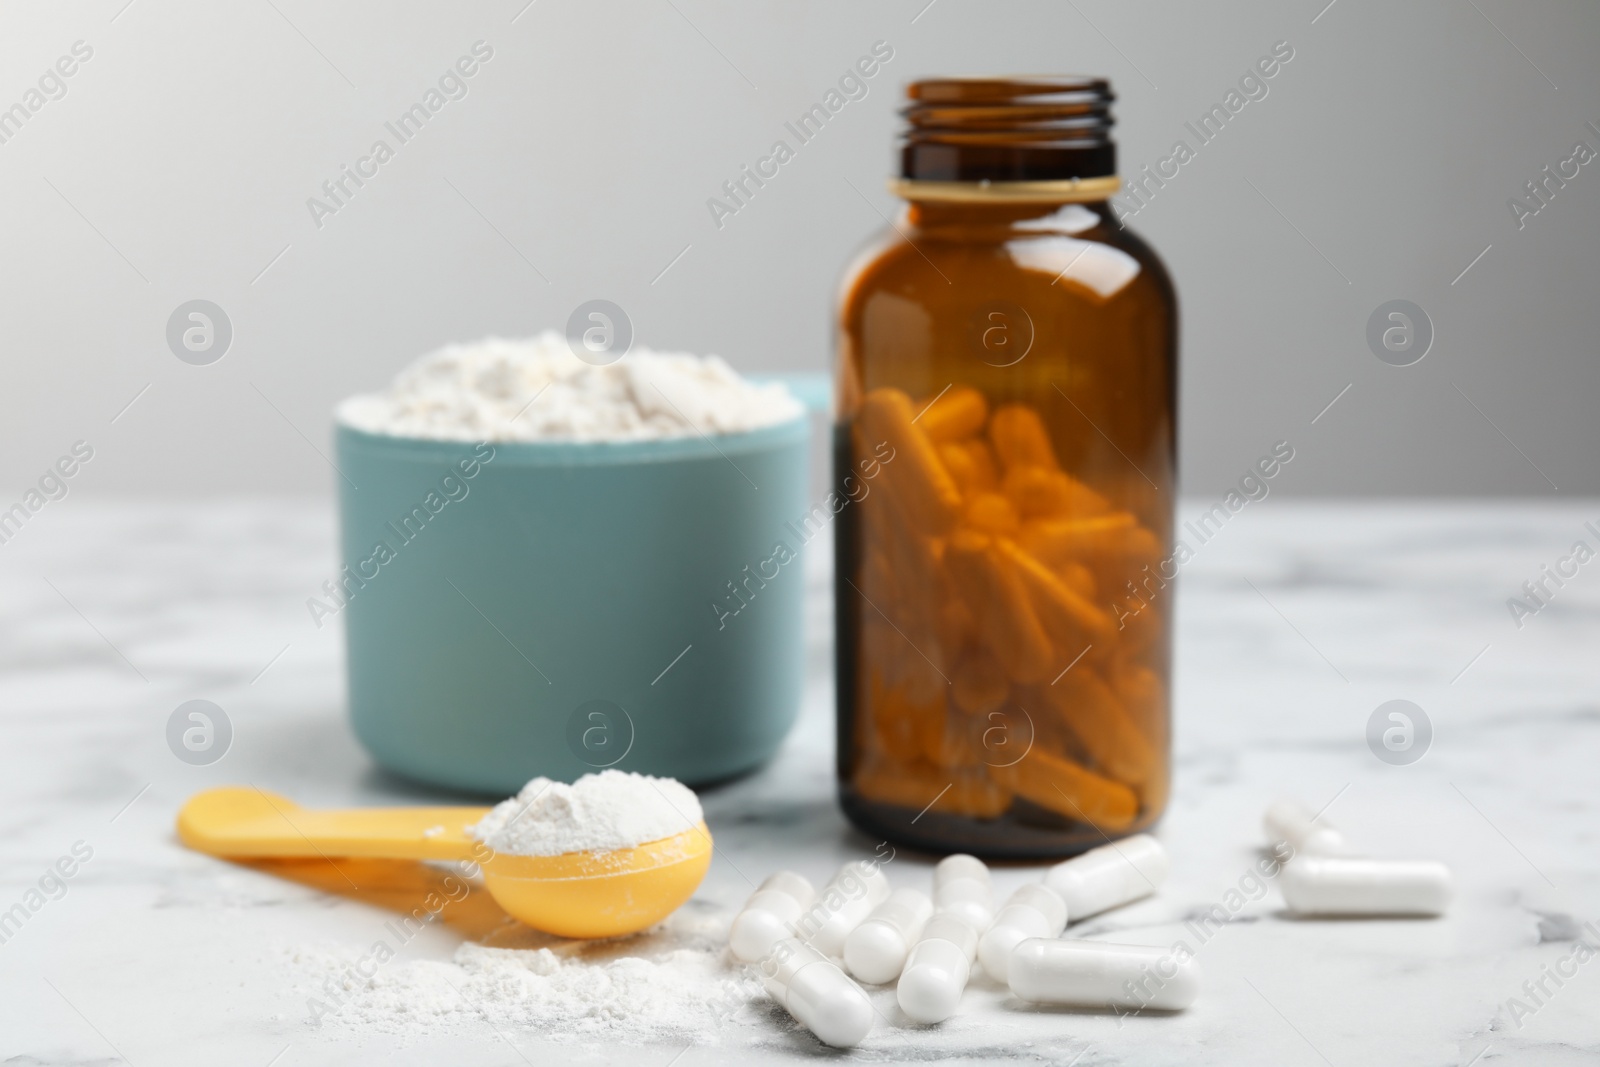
(1006, 422)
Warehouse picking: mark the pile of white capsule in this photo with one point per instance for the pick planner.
(813, 948)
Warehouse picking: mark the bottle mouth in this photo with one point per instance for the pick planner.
(1034, 129)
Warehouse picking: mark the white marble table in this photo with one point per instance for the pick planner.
(1295, 623)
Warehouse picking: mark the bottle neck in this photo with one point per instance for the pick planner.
(1012, 131)
(933, 214)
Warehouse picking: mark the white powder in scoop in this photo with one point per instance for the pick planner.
(599, 812)
(537, 390)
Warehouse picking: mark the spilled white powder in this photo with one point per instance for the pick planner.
(675, 983)
(538, 390)
(599, 812)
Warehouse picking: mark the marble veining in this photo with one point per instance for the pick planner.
(1295, 623)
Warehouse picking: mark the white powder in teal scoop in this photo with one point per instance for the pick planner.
(537, 390)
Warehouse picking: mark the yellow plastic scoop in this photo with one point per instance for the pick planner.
(576, 894)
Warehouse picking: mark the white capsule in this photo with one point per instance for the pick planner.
(842, 905)
(1330, 885)
(817, 993)
(1094, 974)
(937, 970)
(769, 915)
(1110, 875)
(961, 884)
(876, 950)
(1033, 911)
(1292, 821)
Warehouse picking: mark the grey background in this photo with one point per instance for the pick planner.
(179, 163)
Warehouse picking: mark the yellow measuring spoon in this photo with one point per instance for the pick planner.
(575, 894)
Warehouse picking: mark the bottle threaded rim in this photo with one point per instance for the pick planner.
(1008, 129)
